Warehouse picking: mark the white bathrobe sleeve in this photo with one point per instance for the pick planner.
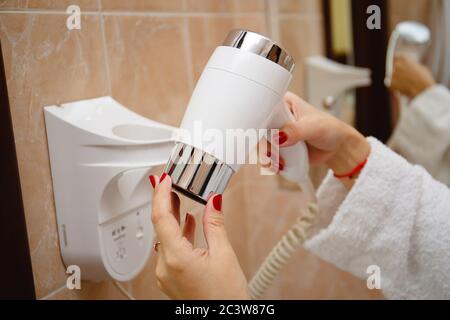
(422, 135)
(395, 217)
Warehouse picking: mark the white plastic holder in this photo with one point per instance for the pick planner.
(101, 154)
(326, 81)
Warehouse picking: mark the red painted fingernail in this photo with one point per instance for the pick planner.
(217, 202)
(152, 181)
(282, 137)
(281, 167)
(164, 175)
(269, 154)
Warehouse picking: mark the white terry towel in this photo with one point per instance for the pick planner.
(396, 217)
(422, 135)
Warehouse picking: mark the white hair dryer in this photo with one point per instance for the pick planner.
(241, 88)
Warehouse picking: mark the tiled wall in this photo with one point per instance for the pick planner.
(148, 55)
(416, 10)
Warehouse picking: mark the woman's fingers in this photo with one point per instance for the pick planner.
(269, 157)
(277, 163)
(317, 156)
(174, 198)
(189, 228)
(290, 134)
(175, 202)
(305, 126)
(264, 153)
(281, 164)
(297, 105)
(214, 225)
(164, 214)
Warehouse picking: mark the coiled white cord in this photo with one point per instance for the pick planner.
(124, 291)
(285, 248)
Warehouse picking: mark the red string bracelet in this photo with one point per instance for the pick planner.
(355, 171)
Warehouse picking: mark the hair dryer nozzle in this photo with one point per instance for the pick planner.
(197, 174)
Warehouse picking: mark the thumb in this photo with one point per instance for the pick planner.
(214, 224)
(293, 132)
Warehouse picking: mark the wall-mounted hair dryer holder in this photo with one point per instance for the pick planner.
(326, 81)
(101, 154)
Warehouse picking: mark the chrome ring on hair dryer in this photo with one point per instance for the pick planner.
(197, 174)
(260, 45)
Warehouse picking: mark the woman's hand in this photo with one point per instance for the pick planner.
(185, 272)
(410, 78)
(329, 140)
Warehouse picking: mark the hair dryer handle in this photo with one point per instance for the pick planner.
(296, 157)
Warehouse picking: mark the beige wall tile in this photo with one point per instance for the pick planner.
(225, 5)
(301, 37)
(401, 10)
(48, 4)
(307, 277)
(144, 286)
(46, 64)
(270, 211)
(90, 291)
(206, 33)
(251, 5)
(235, 212)
(299, 6)
(148, 5)
(148, 65)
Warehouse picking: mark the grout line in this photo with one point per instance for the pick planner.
(299, 16)
(181, 13)
(188, 49)
(272, 18)
(59, 12)
(268, 26)
(53, 292)
(105, 50)
(137, 13)
(296, 16)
